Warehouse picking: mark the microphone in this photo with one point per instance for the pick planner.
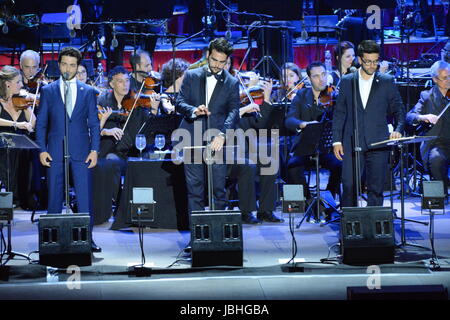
(304, 33)
(352, 69)
(65, 76)
(228, 32)
(114, 42)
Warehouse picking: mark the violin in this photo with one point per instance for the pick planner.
(151, 83)
(130, 100)
(293, 91)
(255, 93)
(38, 77)
(327, 97)
(22, 102)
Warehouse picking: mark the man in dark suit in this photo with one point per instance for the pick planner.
(208, 99)
(376, 97)
(305, 109)
(435, 153)
(83, 133)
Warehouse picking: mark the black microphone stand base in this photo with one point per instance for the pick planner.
(9, 253)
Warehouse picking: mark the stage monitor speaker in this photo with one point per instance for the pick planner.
(417, 292)
(64, 240)
(433, 195)
(142, 206)
(216, 238)
(293, 198)
(6, 206)
(367, 236)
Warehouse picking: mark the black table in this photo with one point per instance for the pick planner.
(169, 192)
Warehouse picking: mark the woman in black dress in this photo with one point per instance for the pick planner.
(13, 120)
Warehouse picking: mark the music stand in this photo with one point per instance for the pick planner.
(21, 142)
(315, 139)
(400, 142)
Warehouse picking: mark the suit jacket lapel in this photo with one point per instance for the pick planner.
(202, 87)
(80, 94)
(373, 89)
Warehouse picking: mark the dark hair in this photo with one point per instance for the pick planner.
(181, 66)
(221, 45)
(116, 70)
(368, 46)
(71, 52)
(135, 58)
(314, 64)
(339, 50)
(293, 67)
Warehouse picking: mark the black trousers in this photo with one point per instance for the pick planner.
(296, 172)
(197, 182)
(438, 164)
(106, 178)
(246, 175)
(375, 164)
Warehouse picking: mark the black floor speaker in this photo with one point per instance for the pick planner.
(216, 238)
(64, 240)
(418, 292)
(367, 236)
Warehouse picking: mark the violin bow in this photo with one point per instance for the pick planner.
(134, 105)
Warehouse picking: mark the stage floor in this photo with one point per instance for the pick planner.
(261, 278)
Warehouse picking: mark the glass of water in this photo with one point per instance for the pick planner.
(160, 142)
(141, 143)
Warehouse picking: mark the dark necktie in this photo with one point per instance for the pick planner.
(209, 74)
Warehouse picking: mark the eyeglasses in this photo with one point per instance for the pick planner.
(369, 62)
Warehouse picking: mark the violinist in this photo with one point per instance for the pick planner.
(141, 63)
(171, 88)
(344, 54)
(254, 116)
(115, 143)
(29, 66)
(290, 80)
(13, 120)
(113, 115)
(435, 153)
(306, 109)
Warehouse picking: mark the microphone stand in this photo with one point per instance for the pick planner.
(356, 147)
(66, 143)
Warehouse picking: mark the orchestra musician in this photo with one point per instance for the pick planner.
(344, 55)
(307, 108)
(116, 142)
(435, 153)
(170, 87)
(141, 63)
(83, 134)
(254, 116)
(377, 98)
(29, 66)
(19, 121)
(290, 80)
(209, 99)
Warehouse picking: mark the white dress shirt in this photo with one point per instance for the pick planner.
(364, 88)
(73, 88)
(209, 87)
(364, 91)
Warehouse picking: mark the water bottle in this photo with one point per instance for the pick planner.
(328, 64)
(396, 25)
